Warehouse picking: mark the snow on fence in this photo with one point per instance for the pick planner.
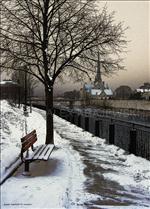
(132, 136)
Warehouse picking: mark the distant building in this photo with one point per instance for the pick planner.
(145, 91)
(72, 94)
(9, 90)
(144, 88)
(123, 92)
(98, 89)
(104, 93)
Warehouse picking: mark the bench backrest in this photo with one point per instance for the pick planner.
(28, 141)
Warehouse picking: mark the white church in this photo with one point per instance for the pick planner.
(97, 89)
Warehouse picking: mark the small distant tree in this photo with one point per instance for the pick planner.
(19, 77)
(53, 38)
(123, 92)
(136, 95)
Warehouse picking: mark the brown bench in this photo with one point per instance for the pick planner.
(41, 152)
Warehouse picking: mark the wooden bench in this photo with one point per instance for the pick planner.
(41, 152)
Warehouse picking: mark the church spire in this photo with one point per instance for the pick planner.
(98, 80)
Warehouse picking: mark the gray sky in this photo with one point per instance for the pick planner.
(135, 15)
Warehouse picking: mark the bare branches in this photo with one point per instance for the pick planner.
(51, 36)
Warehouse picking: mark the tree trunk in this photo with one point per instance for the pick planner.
(49, 116)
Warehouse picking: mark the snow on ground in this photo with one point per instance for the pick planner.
(58, 183)
(50, 184)
(13, 127)
(133, 171)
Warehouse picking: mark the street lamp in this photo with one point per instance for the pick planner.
(25, 93)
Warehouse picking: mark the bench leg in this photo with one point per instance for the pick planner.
(26, 169)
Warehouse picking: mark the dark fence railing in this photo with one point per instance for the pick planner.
(124, 131)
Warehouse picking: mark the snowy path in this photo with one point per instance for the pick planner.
(104, 160)
(83, 172)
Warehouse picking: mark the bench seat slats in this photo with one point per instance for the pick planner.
(30, 157)
(42, 152)
(46, 152)
(36, 156)
(46, 148)
(36, 152)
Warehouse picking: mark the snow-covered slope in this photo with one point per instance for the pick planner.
(60, 182)
(50, 184)
(14, 126)
(12, 129)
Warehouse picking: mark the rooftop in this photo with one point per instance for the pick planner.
(5, 82)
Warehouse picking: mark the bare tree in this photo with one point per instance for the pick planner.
(58, 37)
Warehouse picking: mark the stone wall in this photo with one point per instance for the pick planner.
(130, 136)
(124, 104)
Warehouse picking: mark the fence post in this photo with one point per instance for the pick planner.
(73, 118)
(79, 120)
(58, 112)
(132, 145)
(86, 123)
(69, 116)
(97, 128)
(111, 133)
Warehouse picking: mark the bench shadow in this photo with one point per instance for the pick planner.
(41, 168)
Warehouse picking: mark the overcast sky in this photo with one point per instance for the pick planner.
(135, 15)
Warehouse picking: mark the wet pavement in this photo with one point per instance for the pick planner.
(94, 156)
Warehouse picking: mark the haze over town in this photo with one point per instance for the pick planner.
(135, 15)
